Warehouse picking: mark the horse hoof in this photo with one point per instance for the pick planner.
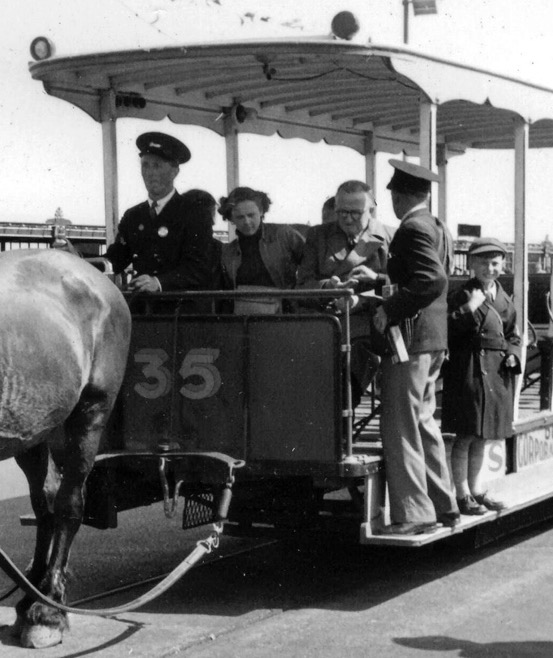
(15, 630)
(40, 637)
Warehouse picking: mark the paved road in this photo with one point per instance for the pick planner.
(313, 599)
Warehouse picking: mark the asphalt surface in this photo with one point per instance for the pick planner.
(307, 598)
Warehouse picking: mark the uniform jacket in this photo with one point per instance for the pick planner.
(281, 249)
(174, 247)
(419, 258)
(478, 389)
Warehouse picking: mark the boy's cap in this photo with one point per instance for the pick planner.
(487, 245)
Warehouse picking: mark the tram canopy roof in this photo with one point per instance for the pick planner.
(317, 89)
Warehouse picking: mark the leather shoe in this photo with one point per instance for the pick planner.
(469, 507)
(410, 528)
(489, 503)
(449, 519)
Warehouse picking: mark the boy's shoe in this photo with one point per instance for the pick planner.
(489, 503)
(469, 506)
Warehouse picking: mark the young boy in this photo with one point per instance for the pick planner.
(478, 389)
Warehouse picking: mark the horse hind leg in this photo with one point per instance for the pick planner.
(43, 479)
(45, 625)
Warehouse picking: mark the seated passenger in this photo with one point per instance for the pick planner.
(262, 256)
(204, 207)
(350, 253)
(327, 213)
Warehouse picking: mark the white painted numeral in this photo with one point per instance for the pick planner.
(155, 371)
(199, 362)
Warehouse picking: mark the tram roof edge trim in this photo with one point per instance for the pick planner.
(324, 89)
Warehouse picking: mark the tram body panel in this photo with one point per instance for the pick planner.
(263, 388)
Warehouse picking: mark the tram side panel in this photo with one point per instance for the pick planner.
(263, 389)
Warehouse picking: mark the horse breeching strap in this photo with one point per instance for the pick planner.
(222, 463)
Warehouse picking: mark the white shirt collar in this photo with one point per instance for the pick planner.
(419, 206)
(492, 291)
(161, 203)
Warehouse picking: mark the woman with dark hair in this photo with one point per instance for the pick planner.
(262, 255)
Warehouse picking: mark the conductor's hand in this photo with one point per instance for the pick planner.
(145, 283)
(363, 274)
(334, 283)
(476, 299)
(380, 319)
(342, 303)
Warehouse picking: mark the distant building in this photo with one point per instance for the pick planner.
(89, 240)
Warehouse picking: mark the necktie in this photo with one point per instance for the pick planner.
(153, 213)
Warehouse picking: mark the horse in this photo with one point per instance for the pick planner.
(64, 339)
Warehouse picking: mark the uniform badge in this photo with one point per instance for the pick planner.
(163, 231)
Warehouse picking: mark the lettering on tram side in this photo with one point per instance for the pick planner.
(202, 378)
(534, 446)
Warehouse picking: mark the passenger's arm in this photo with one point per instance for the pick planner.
(119, 253)
(308, 271)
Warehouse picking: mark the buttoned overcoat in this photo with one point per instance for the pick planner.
(478, 388)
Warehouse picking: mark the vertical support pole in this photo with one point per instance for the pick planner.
(405, 21)
(232, 161)
(441, 157)
(370, 160)
(109, 148)
(370, 163)
(520, 286)
(348, 411)
(427, 146)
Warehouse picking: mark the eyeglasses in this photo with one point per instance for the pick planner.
(354, 214)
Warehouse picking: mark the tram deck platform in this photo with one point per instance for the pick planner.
(519, 490)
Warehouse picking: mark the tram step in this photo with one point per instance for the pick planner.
(27, 519)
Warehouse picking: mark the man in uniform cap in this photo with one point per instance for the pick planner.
(419, 260)
(165, 238)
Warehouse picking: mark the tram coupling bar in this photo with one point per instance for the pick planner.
(204, 469)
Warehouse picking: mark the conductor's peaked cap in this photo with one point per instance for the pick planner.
(166, 147)
(409, 177)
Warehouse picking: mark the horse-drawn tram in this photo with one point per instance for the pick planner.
(253, 407)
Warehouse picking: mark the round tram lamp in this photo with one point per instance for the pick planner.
(345, 25)
(41, 49)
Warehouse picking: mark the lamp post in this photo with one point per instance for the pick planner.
(420, 8)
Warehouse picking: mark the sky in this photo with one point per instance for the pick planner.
(51, 151)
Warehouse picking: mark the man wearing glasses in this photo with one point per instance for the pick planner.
(350, 253)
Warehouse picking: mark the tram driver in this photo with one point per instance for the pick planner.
(165, 238)
(350, 252)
